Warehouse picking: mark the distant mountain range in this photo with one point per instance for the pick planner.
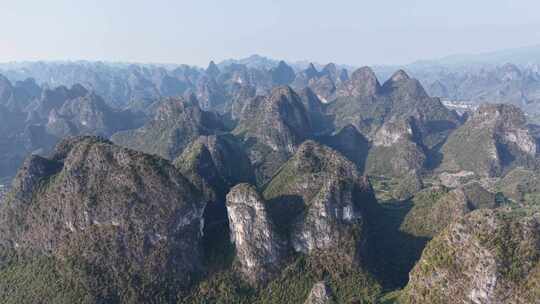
(474, 78)
(519, 56)
(259, 181)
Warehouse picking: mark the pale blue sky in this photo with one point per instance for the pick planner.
(193, 32)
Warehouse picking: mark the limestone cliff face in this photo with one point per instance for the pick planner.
(119, 212)
(493, 140)
(259, 249)
(393, 132)
(317, 198)
(320, 294)
(508, 122)
(330, 221)
(395, 151)
(490, 256)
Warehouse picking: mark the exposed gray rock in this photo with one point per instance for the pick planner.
(453, 180)
(330, 221)
(395, 151)
(272, 128)
(279, 121)
(317, 198)
(365, 104)
(492, 141)
(119, 212)
(259, 250)
(320, 294)
(393, 132)
(324, 87)
(490, 256)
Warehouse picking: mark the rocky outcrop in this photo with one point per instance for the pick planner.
(490, 256)
(317, 199)
(320, 294)
(393, 132)
(272, 128)
(216, 163)
(4, 189)
(395, 150)
(116, 214)
(330, 221)
(177, 122)
(454, 180)
(259, 249)
(493, 140)
(278, 121)
(365, 104)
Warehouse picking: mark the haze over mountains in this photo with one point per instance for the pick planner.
(261, 181)
(487, 77)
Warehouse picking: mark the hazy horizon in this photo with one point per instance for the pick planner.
(187, 32)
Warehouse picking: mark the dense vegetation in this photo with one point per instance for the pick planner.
(378, 191)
